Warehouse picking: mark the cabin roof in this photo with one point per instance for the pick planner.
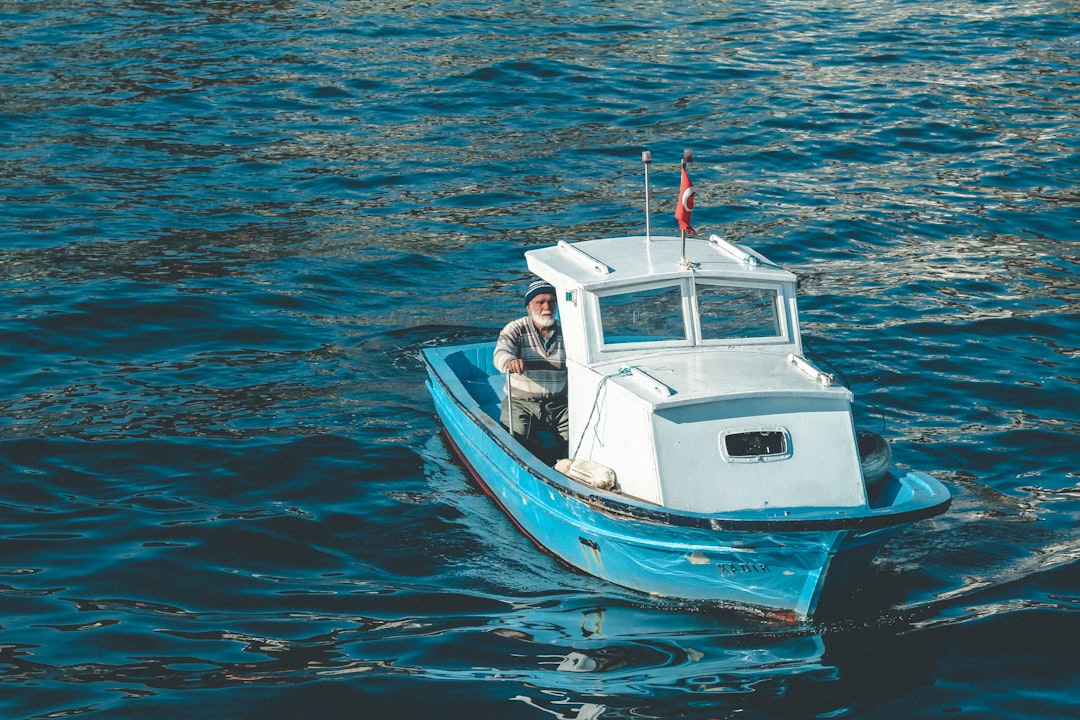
(596, 264)
(696, 374)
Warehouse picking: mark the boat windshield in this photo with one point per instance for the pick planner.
(726, 312)
(643, 316)
(734, 312)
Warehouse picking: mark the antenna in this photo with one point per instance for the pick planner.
(646, 158)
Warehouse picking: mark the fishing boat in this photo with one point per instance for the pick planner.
(709, 460)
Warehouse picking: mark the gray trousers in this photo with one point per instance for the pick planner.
(531, 416)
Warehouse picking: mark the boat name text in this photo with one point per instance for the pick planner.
(738, 568)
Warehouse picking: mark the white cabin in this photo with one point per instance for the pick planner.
(686, 377)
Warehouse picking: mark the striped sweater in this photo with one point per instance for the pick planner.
(545, 370)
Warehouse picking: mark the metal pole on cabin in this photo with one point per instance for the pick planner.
(646, 158)
(687, 157)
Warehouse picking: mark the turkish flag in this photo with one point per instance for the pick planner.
(685, 207)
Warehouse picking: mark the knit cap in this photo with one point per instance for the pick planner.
(539, 287)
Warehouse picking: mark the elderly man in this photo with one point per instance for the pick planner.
(530, 350)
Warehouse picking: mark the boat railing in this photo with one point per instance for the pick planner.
(584, 258)
(746, 256)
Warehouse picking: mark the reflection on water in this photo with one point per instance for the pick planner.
(559, 654)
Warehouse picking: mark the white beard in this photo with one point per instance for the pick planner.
(542, 320)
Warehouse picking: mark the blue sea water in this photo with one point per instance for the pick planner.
(228, 228)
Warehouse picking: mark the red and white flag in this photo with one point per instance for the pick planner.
(685, 207)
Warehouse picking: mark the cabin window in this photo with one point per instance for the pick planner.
(730, 312)
(643, 316)
(755, 445)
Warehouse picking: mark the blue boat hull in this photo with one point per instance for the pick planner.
(778, 562)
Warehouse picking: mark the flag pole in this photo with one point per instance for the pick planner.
(687, 157)
(646, 158)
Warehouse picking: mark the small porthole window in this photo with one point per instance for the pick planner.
(757, 445)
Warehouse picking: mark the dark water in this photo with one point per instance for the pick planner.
(227, 229)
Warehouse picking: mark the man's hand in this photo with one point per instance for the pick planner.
(517, 365)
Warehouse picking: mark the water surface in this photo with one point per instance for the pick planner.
(228, 228)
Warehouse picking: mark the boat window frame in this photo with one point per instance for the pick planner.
(779, 297)
(688, 340)
(691, 316)
(786, 454)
